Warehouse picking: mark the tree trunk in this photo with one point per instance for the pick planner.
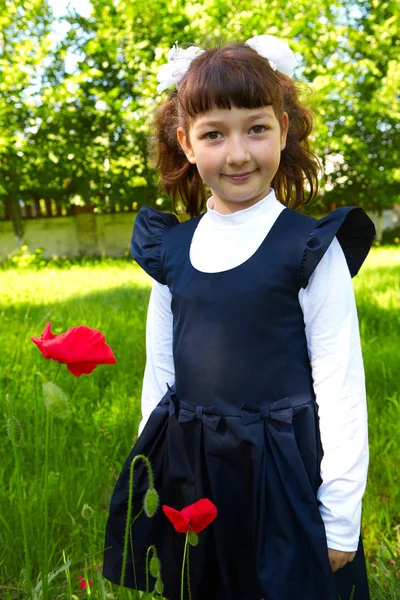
(379, 228)
(37, 208)
(47, 202)
(13, 209)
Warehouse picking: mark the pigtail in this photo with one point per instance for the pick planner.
(298, 165)
(177, 176)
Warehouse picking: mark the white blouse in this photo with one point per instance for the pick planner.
(221, 242)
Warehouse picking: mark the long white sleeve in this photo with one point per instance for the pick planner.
(159, 368)
(334, 346)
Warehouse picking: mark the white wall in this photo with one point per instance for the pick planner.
(90, 234)
(80, 235)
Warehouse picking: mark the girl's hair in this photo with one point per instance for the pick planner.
(219, 77)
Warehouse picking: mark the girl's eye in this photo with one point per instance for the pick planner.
(211, 133)
(260, 126)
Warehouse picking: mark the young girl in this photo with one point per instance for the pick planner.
(254, 391)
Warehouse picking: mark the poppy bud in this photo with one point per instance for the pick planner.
(193, 538)
(159, 587)
(87, 512)
(151, 502)
(14, 430)
(155, 566)
(55, 400)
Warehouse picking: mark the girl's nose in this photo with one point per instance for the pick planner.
(237, 152)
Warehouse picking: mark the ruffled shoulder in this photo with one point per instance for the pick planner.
(355, 232)
(147, 237)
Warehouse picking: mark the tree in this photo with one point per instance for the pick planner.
(359, 140)
(83, 134)
(24, 30)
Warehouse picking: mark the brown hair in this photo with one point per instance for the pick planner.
(219, 77)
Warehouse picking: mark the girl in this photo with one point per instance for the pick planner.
(253, 392)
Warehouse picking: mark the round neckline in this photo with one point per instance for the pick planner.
(243, 264)
(240, 219)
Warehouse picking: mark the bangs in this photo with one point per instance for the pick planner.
(234, 75)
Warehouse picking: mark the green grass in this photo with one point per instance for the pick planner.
(87, 444)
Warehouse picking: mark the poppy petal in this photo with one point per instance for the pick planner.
(81, 346)
(45, 336)
(188, 511)
(82, 368)
(178, 520)
(204, 512)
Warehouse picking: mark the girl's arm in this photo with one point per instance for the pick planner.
(159, 368)
(334, 347)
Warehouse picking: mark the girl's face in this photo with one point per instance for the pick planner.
(225, 142)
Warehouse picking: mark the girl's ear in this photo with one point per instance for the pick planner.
(284, 129)
(183, 142)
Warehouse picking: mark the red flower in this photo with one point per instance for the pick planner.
(194, 517)
(80, 348)
(82, 584)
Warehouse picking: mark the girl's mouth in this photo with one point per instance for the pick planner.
(242, 177)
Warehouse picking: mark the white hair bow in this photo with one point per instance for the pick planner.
(279, 54)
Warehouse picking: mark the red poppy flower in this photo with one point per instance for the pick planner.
(80, 348)
(82, 584)
(194, 517)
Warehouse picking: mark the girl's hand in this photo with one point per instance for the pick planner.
(339, 559)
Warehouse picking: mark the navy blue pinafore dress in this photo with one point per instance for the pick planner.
(240, 424)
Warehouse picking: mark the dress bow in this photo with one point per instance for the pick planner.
(208, 415)
(281, 410)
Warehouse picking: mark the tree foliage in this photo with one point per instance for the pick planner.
(81, 134)
(24, 44)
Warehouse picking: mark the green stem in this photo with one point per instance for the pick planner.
(137, 516)
(183, 564)
(38, 446)
(133, 557)
(37, 436)
(68, 575)
(86, 576)
(129, 515)
(149, 469)
(20, 506)
(58, 369)
(131, 542)
(188, 572)
(149, 549)
(46, 510)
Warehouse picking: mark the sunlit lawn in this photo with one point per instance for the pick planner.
(88, 446)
